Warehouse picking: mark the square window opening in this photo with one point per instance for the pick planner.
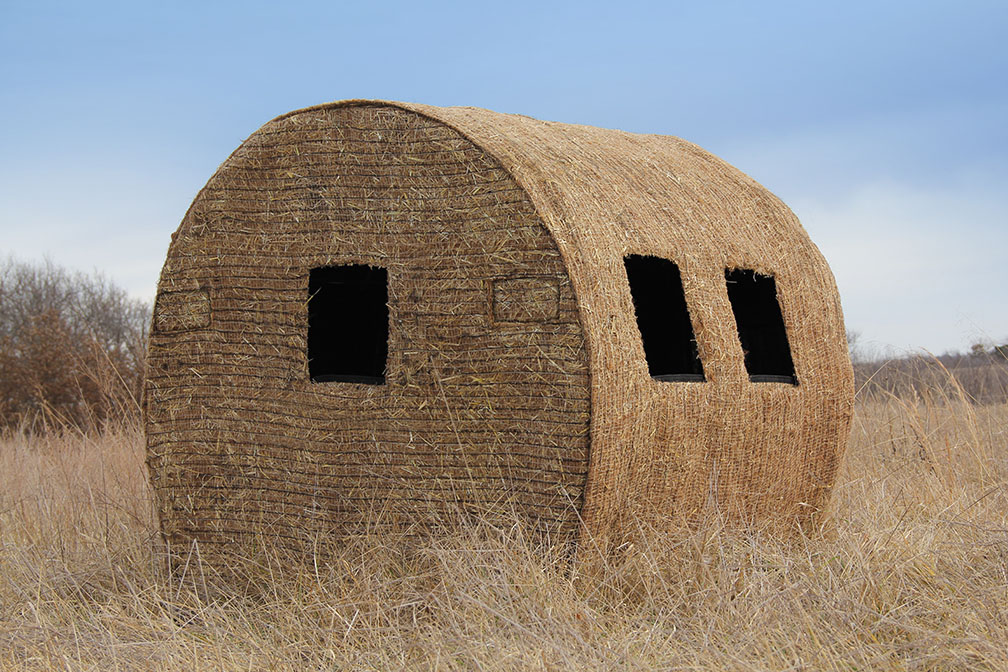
(761, 329)
(348, 324)
(663, 319)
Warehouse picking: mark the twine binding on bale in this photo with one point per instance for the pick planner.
(515, 380)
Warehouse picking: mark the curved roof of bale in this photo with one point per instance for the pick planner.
(604, 194)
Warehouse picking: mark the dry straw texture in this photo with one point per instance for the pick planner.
(911, 575)
(516, 381)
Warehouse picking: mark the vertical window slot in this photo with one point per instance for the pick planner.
(663, 319)
(348, 324)
(761, 329)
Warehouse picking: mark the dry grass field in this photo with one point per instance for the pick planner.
(910, 572)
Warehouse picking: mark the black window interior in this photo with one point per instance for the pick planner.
(663, 319)
(761, 329)
(348, 324)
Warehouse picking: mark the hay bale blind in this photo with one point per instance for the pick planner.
(383, 314)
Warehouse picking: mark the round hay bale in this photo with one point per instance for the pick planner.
(382, 315)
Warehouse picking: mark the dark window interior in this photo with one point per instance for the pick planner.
(663, 319)
(760, 326)
(348, 324)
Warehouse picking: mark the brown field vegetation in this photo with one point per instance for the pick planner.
(910, 571)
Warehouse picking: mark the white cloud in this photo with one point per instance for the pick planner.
(95, 217)
(916, 267)
(911, 212)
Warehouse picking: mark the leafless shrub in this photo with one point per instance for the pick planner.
(72, 349)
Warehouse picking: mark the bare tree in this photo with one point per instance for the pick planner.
(72, 348)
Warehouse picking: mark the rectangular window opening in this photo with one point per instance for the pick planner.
(663, 319)
(761, 329)
(348, 324)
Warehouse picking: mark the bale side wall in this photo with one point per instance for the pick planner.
(663, 450)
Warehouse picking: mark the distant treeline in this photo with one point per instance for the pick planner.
(72, 349)
(980, 376)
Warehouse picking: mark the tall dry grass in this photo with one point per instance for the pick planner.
(909, 573)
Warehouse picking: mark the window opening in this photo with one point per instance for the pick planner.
(348, 324)
(761, 329)
(663, 319)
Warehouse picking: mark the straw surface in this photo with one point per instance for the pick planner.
(512, 336)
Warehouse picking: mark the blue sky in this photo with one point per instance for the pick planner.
(881, 124)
